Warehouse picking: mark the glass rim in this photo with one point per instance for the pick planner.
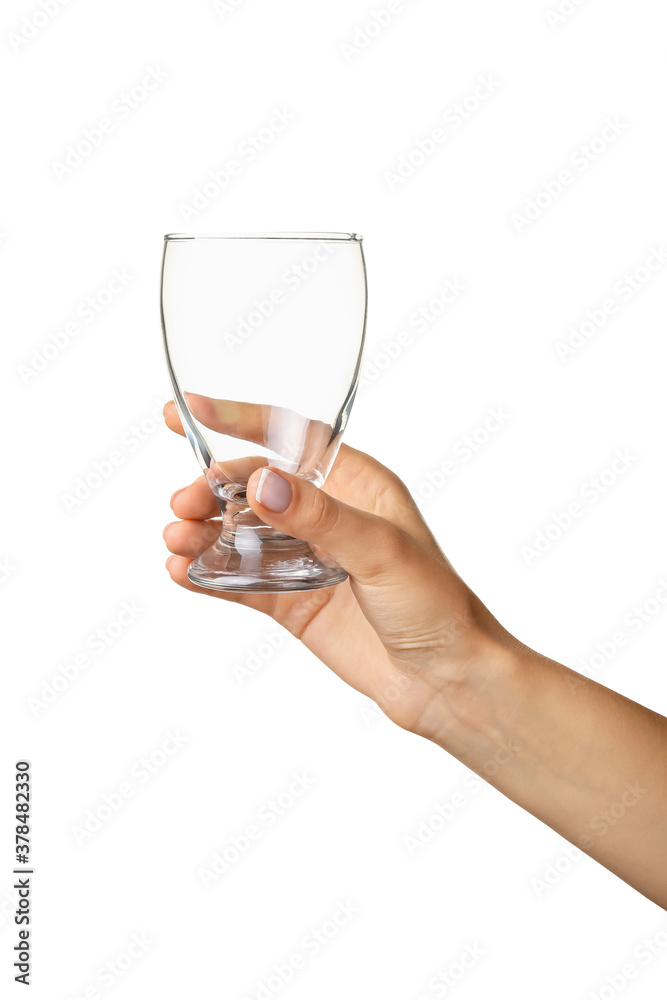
(316, 237)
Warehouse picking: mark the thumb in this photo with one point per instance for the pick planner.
(362, 543)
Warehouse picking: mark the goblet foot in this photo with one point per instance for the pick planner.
(280, 567)
(251, 557)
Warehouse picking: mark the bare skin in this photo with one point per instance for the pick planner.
(406, 631)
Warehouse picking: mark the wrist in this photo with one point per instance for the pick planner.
(474, 712)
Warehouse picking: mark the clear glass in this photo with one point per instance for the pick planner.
(264, 336)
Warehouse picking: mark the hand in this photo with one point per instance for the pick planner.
(404, 629)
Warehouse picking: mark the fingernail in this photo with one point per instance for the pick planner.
(273, 492)
(166, 529)
(174, 495)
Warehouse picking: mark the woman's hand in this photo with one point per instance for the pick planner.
(404, 629)
(408, 632)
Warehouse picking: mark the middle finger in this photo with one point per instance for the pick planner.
(190, 538)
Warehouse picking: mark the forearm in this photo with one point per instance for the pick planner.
(580, 757)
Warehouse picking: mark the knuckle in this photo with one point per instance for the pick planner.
(397, 489)
(392, 489)
(401, 492)
(383, 549)
(323, 513)
(391, 543)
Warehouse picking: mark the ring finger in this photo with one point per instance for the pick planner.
(190, 538)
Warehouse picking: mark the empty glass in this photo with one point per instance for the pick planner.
(263, 335)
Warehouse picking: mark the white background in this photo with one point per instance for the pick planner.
(67, 572)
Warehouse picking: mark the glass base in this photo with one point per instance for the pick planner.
(251, 557)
